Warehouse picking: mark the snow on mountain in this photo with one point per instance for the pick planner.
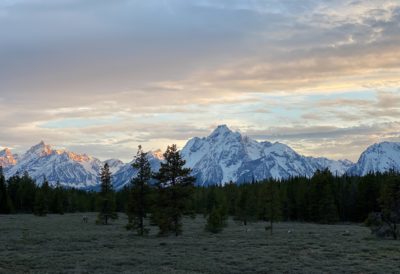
(114, 164)
(336, 167)
(7, 159)
(221, 157)
(227, 156)
(379, 157)
(68, 168)
(125, 174)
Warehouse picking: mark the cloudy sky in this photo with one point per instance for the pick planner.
(102, 76)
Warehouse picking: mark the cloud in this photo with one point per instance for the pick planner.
(107, 75)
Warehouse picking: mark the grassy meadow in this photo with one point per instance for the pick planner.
(64, 244)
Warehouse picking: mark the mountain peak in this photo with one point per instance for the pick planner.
(40, 144)
(158, 154)
(379, 157)
(5, 152)
(41, 148)
(7, 158)
(221, 130)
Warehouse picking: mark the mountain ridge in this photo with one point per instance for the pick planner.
(222, 156)
(225, 156)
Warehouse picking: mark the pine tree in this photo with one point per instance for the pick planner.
(217, 210)
(174, 188)
(273, 208)
(106, 200)
(57, 202)
(242, 208)
(47, 192)
(42, 198)
(5, 201)
(40, 206)
(26, 193)
(139, 193)
(390, 205)
(215, 220)
(232, 193)
(327, 210)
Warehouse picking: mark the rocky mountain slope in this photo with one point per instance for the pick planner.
(68, 168)
(227, 156)
(379, 157)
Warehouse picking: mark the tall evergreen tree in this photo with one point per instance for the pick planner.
(390, 204)
(40, 206)
(139, 193)
(26, 193)
(232, 193)
(106, 201)
(217, 210)
(320, 198)
(328, 212)
(243, 206)
(175, 186)
(57, 201)
(42, 199)
(273, 208)
(5, 201)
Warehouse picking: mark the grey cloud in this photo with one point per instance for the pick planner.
(171, 71)
(385, 105)
(316, 132)
(331, 141)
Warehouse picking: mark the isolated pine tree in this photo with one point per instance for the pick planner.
(139, 193)
(5, 201)
(106, 201)
(174, 188)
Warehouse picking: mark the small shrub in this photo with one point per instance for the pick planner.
(380, 228)
(215, 221)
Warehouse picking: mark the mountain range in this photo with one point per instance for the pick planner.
(223, 156)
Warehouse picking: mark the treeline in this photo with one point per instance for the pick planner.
(21, 194)
(323, 198)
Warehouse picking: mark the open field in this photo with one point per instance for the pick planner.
(63, 244)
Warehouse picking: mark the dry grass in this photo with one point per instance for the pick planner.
(63, 244)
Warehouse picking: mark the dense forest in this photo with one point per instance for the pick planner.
(323, 198)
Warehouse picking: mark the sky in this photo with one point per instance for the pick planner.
(101, 77)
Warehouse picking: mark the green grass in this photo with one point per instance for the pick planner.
(63, 244)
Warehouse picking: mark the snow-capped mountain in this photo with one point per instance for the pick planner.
(114, 164)
(221, 157)
(339, 167)
(379, 157)
(7, 159)
(227, 156)
(68, 168)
